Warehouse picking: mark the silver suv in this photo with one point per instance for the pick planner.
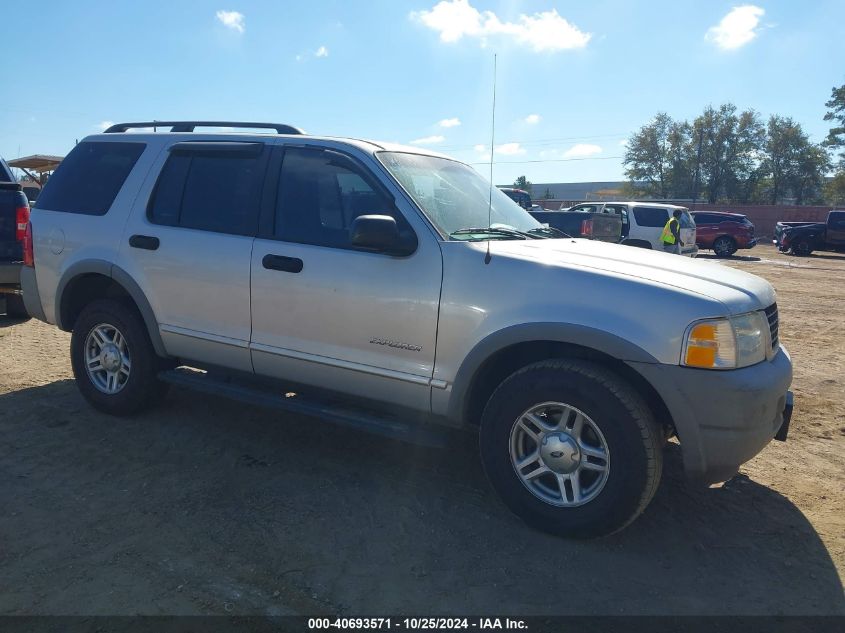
(393, 289)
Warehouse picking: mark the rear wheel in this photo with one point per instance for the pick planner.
(571, 448)
(724, 246)
(113, 360)
(802, 248)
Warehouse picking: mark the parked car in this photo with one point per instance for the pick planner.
(643, 222)
(522, 198)
(375, 285)
(802, 238)
(724, 233)
(14, 215)
(604, 227)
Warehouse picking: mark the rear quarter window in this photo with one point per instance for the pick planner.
(90, 177)
(651, 216)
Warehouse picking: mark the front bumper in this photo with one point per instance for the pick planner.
(751, 243)
(724, 418)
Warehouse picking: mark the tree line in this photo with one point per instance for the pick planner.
(725, 155)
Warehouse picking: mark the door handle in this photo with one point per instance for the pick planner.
(146, 242)
(285, 264)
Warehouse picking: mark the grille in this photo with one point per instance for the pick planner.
(772, 316)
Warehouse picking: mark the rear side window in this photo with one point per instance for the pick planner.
(703, 218)
(89, 178)
(209, 191)
(651, 216)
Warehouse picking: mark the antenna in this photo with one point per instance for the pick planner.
(492, 145)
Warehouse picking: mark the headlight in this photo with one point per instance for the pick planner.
(727, 343)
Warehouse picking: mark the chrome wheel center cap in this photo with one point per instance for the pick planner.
(560, 453)
(110, 357)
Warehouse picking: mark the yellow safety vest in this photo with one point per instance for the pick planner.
(667, 236)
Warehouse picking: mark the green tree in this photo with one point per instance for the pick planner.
(523, 183)
(548, 195)
(794, 166)
(647, 156)
(836, 137)
(730, 151)
(834, 190)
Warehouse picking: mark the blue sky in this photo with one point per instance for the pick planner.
(575, 78)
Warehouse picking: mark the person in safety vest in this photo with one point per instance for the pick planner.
(671, 236)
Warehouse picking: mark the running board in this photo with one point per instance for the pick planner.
(340, 413)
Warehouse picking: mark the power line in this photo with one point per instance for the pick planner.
(550, 141)
(549, 160)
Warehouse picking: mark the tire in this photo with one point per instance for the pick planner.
(626, 428)
(802, 248)
(15, 308)
(724, 246)
(135, 387)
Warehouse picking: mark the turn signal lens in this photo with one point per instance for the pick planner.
(711, 345)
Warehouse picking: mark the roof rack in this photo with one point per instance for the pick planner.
(188, 126)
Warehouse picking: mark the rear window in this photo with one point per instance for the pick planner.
(89, 178)
(651, 216)
(6, 174)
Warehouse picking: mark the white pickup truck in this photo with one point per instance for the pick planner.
(392, 289)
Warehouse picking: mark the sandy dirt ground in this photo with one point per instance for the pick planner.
(206, 506)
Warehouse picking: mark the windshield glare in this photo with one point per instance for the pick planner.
(454, 196)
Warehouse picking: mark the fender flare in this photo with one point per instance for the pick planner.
(580, 335)
(125, 280)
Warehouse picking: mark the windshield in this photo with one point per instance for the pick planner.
(455, 198)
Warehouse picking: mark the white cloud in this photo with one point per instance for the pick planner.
(322, 52)
(232, 20)
(428, 140)
(104, 125)
(510, 149)
(545, 31)
(737, 28)
(532, 119)
(582, 150)
(453, 122)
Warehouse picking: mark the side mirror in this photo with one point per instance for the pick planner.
(379, 233)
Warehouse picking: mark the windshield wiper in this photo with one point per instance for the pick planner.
(549, 231)
(489, 230)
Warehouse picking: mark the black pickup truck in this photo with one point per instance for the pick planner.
(802, 238)
(14, 217)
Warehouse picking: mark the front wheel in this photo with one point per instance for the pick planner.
(113, 360)
(571, 448)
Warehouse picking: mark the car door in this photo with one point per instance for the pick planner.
(188, 245)
(326, 314)
(706, 227)
(836, 228)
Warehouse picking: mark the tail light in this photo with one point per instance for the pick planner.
(587, 228)
(28, 254)
(21, 220)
